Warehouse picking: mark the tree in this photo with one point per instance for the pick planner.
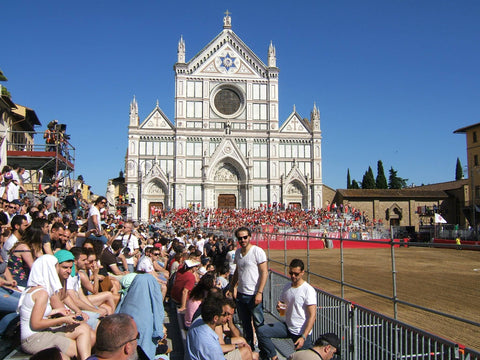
(396, 182)
(381, 181)
(458, 170)
(355, 184)
(368, 181)
(349, 181)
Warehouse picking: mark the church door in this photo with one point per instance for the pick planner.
(155, 207)
(227, 201)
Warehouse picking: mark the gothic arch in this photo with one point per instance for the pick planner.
(226, 165)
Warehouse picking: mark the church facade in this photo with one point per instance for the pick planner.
(226, 147)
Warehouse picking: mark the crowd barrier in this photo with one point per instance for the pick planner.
(366, 334)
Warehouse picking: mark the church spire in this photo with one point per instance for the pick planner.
(272, 58)
(227, 20)
(134, 112)
(315, 118)
(315, 114)
(181, 51)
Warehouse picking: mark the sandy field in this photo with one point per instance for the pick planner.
(446, 280)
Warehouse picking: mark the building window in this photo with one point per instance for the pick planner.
(259, 112)
(227, 101)
(259, 150)
(194, 89)
(475, 160)
(194, 109)
(194, 168)
(477, 192)
(474, 136)
(193, 194)
(194, 148)
(259, 196)
(260, 169)
(259, 92)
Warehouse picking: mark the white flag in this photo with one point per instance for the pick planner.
(439, 219)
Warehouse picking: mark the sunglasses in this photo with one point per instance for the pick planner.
(243, 237)
(126, 342)
(156, 254)
(292, 273)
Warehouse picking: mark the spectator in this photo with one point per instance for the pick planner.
(251, 274)
(24, 253)
(37, 315)
(95, 218)
(108, 260)
(299, 302)
(202, 341)
(197, 295)
(18, 224)
(56, 233)
(325, 347)
(184, 282)
(117, 338)
(70, 203)
(131, 241)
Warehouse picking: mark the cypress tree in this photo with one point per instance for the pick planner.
(396, 182)
(349, 181)
(458, 170)
(381, 181)
(355, 184)
(368, 181)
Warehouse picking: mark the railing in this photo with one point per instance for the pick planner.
(366, 334)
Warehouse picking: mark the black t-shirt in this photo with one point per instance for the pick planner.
(70, 202)
(106, 259)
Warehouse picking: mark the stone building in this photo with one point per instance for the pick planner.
(412, 206)
(226, 146)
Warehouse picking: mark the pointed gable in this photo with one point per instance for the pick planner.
(295, 124)
(157, 120)
(227, 54)
(228, 149)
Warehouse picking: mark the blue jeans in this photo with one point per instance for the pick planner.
(247, 310)
(102, 238)
(8, 307)
(266, 332)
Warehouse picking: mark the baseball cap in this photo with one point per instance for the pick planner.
(333, 340)
(191, 263)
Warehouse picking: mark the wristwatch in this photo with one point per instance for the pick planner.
(303, 337)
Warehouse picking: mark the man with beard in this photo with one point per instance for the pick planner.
(19, 223)
(117, 337)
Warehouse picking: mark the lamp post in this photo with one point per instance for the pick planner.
(139, 195)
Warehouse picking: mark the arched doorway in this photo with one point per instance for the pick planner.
(295, 196)
(155, 208)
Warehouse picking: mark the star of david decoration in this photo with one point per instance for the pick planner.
(227, 61)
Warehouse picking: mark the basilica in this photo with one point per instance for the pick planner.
(226, 147)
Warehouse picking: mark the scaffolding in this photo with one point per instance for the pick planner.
(44, 164)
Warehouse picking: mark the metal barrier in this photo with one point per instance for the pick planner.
(366, 334)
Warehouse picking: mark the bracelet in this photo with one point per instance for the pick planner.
(303, 337)
(259, 292)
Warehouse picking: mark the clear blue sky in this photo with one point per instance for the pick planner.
(392, 79)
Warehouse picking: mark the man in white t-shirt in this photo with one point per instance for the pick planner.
(95, 219)
(299, 302)
(251, 275)
(131, 241)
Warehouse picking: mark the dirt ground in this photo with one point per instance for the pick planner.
(446, 280)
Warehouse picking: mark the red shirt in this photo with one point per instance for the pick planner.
(183, 280)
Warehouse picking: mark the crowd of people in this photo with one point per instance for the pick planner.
(69, 268)
(68, 272)
(330, 219)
